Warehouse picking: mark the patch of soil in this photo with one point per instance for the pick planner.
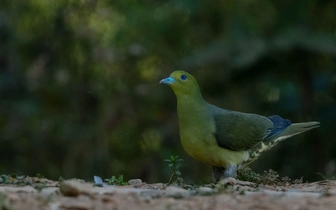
(229, 194)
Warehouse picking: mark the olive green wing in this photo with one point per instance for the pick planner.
(240, 131)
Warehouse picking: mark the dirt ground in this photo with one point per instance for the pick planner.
(77, 194)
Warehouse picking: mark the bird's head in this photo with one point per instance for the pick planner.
(182, 83)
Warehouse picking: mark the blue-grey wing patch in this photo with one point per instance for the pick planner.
(280, 125)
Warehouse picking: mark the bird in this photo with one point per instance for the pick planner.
(225, 139)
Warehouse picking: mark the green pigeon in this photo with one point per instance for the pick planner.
(222, 138)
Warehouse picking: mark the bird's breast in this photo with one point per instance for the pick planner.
(196, 133)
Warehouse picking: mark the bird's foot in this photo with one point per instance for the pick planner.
(220, 173)
(235, 182)
(227, 176)
(228, 181)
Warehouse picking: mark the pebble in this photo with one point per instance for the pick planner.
(135, 182)
(74, 188)
(205, 189)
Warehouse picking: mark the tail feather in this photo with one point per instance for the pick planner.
(292, 130)
(297, 128)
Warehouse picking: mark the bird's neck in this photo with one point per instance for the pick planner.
(189, 99)
(189, 106)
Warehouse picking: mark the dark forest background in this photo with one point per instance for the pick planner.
(80, 93)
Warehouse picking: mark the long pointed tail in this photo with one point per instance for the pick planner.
(297, 128)
(292, 130)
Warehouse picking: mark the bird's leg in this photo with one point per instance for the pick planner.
(219, 173)
(231, 171)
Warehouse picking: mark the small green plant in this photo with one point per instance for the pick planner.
(5, 179)
(175, 162)
(40, 176)
(60, 179)
(116, 181)
(12, 179)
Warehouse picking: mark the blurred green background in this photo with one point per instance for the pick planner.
(80, 93)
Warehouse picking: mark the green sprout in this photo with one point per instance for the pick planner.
(116, 181)
(175, 162)
(40, 176)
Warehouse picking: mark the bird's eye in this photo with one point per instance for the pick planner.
(183, 77)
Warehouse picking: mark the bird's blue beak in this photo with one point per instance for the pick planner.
(167, 80)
